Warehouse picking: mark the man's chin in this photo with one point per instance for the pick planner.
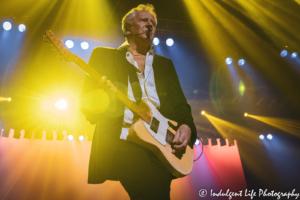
(147, 40)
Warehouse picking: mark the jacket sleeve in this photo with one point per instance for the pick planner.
(179, 102)
(90, 84)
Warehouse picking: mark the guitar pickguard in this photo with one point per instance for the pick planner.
(159, 125)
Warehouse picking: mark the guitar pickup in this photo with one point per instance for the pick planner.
(154, 125)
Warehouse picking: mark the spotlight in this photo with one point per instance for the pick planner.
(269, 136)
(84, 45)
(203, 112)
(7, 26)
(195, 91)
(284, 53)
(261, 137)
(242, 88)
(61, 104)
(9, 99)
(81, 138)
(155, 41)
(246, 114)
(69, 44)
(22, 28)
(241, 62)
(70, 137)
(197, 142)
(170, 42)
(228, 61)
(294, 55)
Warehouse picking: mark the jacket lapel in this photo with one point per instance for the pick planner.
(158, 76)
(121, 68)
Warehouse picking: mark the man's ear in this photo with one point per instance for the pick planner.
(127, 30)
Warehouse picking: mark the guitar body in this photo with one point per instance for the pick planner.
(180, 164)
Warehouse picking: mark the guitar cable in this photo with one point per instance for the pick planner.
(202, 149)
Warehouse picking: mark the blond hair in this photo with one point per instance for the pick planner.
(127, 19)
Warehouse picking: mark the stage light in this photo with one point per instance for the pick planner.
(203, 112)
(155, 41)
(228, 61)
(84, 45)
(170, 42)
(294, 55)
(284, 53)
(7, 26)
(197, 142)
(22, 28)
(69, 44)
(269, 136)
(70, 137)
(61, 104)
(4, 99)
(246, 114)
(261, 137)
(242, 88)
(81, 138)
(241, 62)
(195, 91)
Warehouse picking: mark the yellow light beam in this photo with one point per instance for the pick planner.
(287, 125)
(236, 131)
(249, 140)
(5, 99)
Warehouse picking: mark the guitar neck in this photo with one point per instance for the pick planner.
(123, 98)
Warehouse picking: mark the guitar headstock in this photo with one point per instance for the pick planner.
(58, 46)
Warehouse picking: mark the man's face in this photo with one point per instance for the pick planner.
(140, 24)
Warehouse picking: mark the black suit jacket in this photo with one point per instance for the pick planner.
(173, 105)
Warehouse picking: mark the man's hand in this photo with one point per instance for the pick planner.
(106, 85)
(182, 138)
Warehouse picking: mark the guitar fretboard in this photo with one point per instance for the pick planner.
(123, 98)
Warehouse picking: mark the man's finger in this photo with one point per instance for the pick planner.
(102, 82)
(180, 147)
(107, 86)
(176, 138)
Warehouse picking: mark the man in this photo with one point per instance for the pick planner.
(112, 156)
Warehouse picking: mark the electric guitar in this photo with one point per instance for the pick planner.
(152, 130)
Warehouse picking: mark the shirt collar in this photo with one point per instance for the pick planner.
(126, 44)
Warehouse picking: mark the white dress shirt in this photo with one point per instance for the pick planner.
(147, 84)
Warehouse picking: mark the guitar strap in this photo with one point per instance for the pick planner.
(135, 84)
